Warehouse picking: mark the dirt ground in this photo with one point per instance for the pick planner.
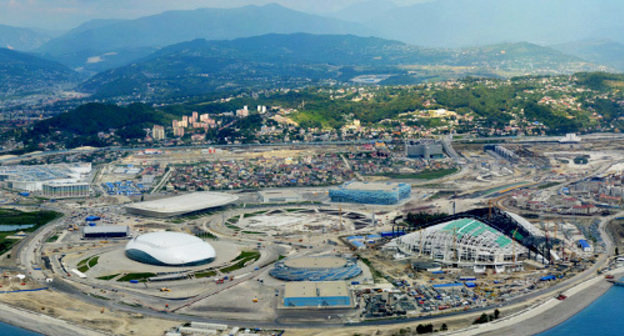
(75, 311)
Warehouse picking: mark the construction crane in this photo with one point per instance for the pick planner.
(513, 246)
(340, 215)
(547, 247)
(455, 244)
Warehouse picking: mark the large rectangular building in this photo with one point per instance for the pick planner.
(279, 196)
(32, 178)
(424, 149)
(384, 193)
(106, 231)
(65, 189)
(317, 294)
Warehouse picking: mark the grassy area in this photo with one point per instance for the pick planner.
(16, 217)
(83, 261)
(376, 273)
(548, 185)
(87, 263)
(253, 232)
(426, 174)
(441, 194)
(242, 259)
(108, 277)
(295, 209)
(136, 276)
(93, 261)
(256, 213)
(205, 274)
(232, 227)
(52, 239)
(207, 235)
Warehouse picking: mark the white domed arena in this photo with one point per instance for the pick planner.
(170, 249)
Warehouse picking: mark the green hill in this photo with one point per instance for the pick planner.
(141, 36)
(23, 74)
(292, 60)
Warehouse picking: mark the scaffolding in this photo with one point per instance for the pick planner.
(464, 242)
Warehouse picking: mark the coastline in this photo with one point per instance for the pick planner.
(545, 315)
(41, 323)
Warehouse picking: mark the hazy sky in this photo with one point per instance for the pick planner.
(65, 14)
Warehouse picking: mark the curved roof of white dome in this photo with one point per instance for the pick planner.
(172, 248)
(183, 204)
(525, 224)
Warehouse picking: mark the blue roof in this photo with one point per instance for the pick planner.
(355, 238)
(357, 243)
(456, 284)
(470, 284)
(584, 243)
(547, 278)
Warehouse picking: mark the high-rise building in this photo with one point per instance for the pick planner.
(242, 113)
(178, 131)
(194, 116)
(158, 132)
(425, 149)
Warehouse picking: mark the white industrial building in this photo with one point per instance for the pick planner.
(181, 205)
(59, 180)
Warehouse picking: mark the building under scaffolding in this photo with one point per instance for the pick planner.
(467, 241)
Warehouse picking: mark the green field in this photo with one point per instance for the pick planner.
(16, 217)
(108, 277)
(142, 277)
(205, 274)
(242, 259)
(88, 263)
(426, 174)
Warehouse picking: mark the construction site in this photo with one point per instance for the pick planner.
(375, 248)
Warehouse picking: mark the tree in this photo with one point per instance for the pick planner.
(482, 319)
(496, 313)
(443, 327)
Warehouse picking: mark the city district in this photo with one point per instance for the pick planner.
(366, 237)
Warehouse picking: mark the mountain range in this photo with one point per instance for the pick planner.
(24, 74)
(606, 52)
(105, 44)
(276, 60)
(217, 49)
(21, 38)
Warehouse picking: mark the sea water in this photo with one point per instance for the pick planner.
(604, 317)
(7, 329)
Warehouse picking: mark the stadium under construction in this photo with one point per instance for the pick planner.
(326, 268)
(479, 238)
